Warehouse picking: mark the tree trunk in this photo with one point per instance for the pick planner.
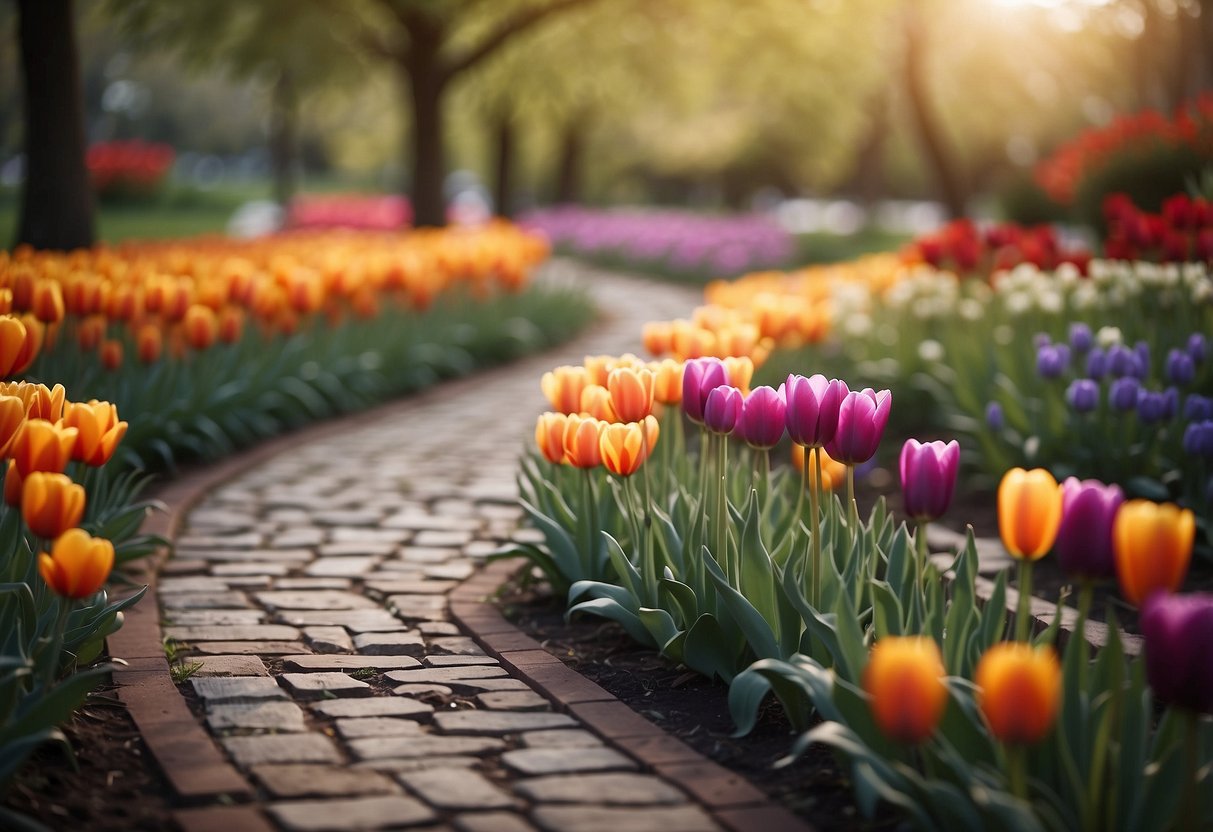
(504, 186)
(283, 129)
(56, 199)
(930, 133)
(568, 171)
(425, 87)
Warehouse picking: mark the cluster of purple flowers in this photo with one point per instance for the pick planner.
(813, 411)
(679, 241)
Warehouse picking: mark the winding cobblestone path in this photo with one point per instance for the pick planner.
(312, 591)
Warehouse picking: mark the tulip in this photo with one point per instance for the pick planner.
(1081, 337)
(596, 402)
(631, 392)
(581, 441)
(928, 477)
(563, 387)
(1052, 360)
(12, 341)
(812, 408)
(862, 417)
(549, 436)
(1198, 408)
(48, 304)
(12, 417)
(1029, 512)
(995, 418)
(699, 377)
(667, 381)
(42, 446)
(657, 337)
(762, 421)
(231, 324)
(1019, 691)
(1178, 634)
(77, 565)
(1124, 394)
(722, 409)
(1180, 369)
(623, 447)
(1083, 395)
(1084, 537)
(99, 430)
(599, 367)
(149, 343)
(1197, 347)
(1097, 363)
(51, 504)
(42, 402)
(13, 485)
(1198, 439)
(201, 326)
(1153, 547)
(904, 678)
(740, 369)
(111, 354)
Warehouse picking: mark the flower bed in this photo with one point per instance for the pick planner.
(128, 170)
(202, 346)
(672, 244)
(369, 213)
(660, 509)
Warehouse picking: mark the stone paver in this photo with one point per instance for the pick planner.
(329, 569)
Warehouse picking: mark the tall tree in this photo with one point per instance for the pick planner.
(56, 200)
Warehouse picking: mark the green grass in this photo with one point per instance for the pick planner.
(821, 247)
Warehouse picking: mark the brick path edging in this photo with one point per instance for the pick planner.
(733, 801)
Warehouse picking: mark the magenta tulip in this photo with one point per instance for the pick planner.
(722, 409)
(1178, 635)
(761, 424)
(812, 408)
(699, 377)
(928, 477)
(1084, 539)
(862, 417)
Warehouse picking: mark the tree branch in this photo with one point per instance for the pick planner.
(514, 26)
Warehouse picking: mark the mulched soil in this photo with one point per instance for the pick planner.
(695, 710)
(114, 787)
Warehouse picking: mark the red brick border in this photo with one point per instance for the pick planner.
(733, 801)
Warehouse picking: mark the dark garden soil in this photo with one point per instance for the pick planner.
(695, 710)
(114, 787)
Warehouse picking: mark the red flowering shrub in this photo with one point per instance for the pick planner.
(128, 169)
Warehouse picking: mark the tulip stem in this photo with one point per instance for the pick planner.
(1190, 820)
(1017, 770)
(804, 485)
(55, 642)
(815, 521)
(1023, 612)
(591, 529)
(920, 565)
(722, 532)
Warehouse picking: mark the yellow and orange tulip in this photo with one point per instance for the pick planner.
(581, 447)
(1029, 512)
(51, 504)
(1152, 543)
(549, 436)
(42, 446)
(99, 430)
(631, 392)
(1019, 691)
(78, 564)
(563, 387)
(904, 678)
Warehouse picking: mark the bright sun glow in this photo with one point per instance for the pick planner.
(1051, 4)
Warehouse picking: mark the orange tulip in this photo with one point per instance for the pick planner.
(77, 565)
(658, 337)
(90, 332)
(201, 327)
(631, 392)
(599, 367)
(99, 430)
(35, 335)
(51, 503)
(12, 344)
(904, 677)
(1020, 691)
(549, 436)
(13, 485)
(48, 301)
(1153, 547)
(12, 417)
(231, 324)
(623, 448)
(667, 381)
(111, 354)
(149, 343)
(42, 402)
(581, 441)
(596, 402)
(563, 387)
(741, 371)
(652, 430)
(42, 446)
(1029, 512)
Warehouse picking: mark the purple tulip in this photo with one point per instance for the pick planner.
(1052, 360)
(722, 409)
(1178, 635)
(812, 412)
(994, 416)
(1197, 347)
(1142, 351)
(1083, 395)
(1198, 408)
(1084, 539)
(1151, 407)
(862, 417)
(763, 417)
(1198, 439)
(1081, 339)
(699, 377)
(1181, 369)
(1170, 403)
(1122, 361)
(1124, 394)
(928, 477)
(1097, 363)
(1041, 339)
